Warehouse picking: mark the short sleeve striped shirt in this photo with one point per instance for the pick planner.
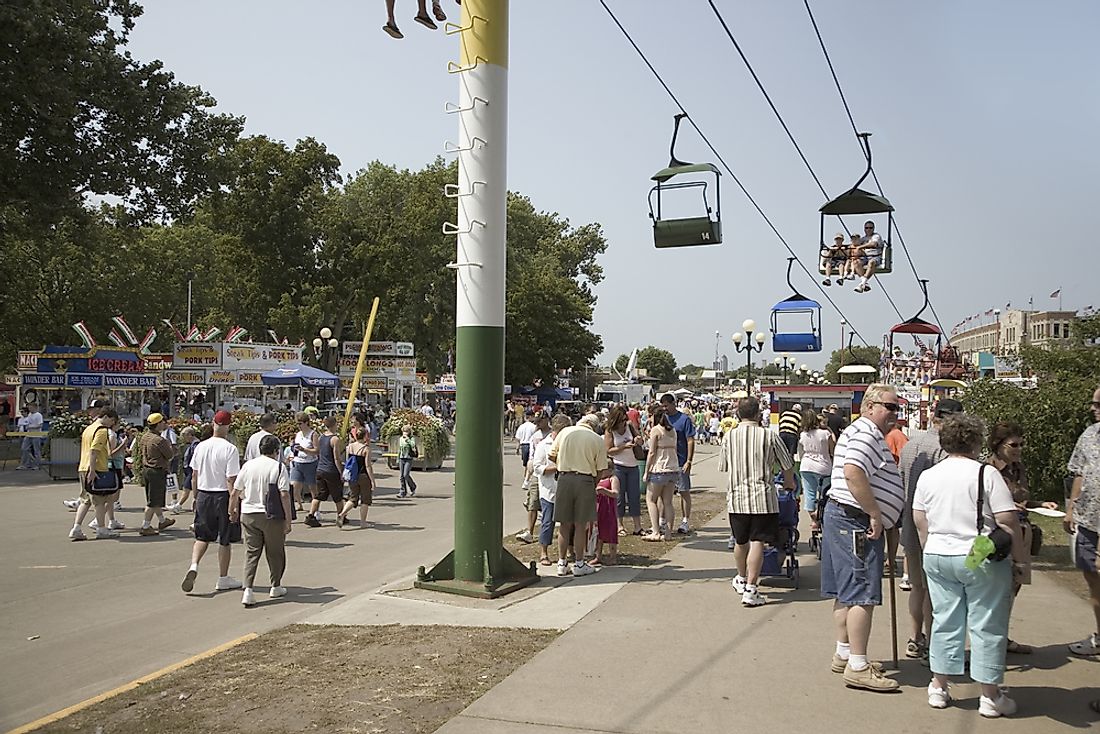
(862, 444)
(750, 452)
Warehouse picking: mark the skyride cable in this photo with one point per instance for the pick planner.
(720, 159)
(790, 135)
(855, 129)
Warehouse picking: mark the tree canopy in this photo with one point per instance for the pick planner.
(658, 363)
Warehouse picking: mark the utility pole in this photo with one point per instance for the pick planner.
(479, 565)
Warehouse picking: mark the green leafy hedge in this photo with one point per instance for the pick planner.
(432, 438)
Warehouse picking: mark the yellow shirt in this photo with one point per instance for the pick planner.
(95, 437)
(579, 449)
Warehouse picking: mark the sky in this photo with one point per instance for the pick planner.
(985, 118)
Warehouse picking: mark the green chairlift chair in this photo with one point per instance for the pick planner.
(858, 201)
(685, 231)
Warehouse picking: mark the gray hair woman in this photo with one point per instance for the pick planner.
(966, 598)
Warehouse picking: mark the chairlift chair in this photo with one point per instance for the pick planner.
(857, 201)
(685, 231)
(797, 304)
(861, 373)
(947, 364)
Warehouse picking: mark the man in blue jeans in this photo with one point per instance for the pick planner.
(865, 499)
(685, 452)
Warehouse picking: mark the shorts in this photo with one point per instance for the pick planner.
(212, 517)
(664, 477)
(330, 486)
(525, 454)
(532, 503)
(850, 579)
(1084, 549)
(759, 528)
(877, 260)
(362, 490)
(156, 486)
(304, 472)
(683, 484)
(575, 501)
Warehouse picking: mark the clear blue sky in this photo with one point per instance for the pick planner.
(985, 114)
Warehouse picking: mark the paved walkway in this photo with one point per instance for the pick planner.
(674, 651)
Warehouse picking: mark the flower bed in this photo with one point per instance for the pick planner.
(432, 439)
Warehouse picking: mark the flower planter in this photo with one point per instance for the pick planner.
(422, 462)
(64, 457)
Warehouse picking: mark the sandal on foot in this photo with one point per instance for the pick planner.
(545, 562)
(639, 531)
(394, 31)
(1019, 648)
(426, 21)
(438, 12)
(622, 532)
(652, 537)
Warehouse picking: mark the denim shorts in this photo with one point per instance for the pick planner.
(304, 472)
(684, 485)
(1084, 549)
(851, 580)
(664, 477)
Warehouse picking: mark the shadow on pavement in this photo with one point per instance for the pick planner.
(315, 544)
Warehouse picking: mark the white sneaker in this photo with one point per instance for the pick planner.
(71, 504)
(731, 543)
(93, 525)
(753, 598)
(225, 583)
(176, 508)
(738, 584)
(1088, 646)
(684, 528)
(938, 698)
(116, 525)
(277, 591)
(563, 569)
(990, 709)
(581, 568)
(77, 534)
(248, 599)
(525, 537)
(102, 533)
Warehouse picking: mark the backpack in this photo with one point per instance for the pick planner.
(351, 470)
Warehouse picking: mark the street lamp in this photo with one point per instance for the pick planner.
(748, 325)
(785, 362)
(716, 360)
(843, 323)
(324, 339)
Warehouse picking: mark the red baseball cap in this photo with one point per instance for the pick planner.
(223, 418)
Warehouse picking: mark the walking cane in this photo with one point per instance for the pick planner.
(892, 550)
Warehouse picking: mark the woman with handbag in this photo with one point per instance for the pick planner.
(973, 552)
(625, 447)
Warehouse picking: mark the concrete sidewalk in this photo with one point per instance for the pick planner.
(673, 650)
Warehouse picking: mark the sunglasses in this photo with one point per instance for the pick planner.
(892, 407)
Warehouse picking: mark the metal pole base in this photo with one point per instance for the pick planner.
(505, 575)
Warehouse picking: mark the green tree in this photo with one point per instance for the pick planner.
(1053, 413)
(658, 363)
(621, 362)
(691, 370)
(842, 357)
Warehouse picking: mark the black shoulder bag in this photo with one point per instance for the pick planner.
(1002, 539)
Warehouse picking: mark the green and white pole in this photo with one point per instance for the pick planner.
(479, 565)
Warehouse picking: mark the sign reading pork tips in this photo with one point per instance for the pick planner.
(197, 354)
(259, 357)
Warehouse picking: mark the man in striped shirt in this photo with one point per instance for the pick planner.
(865, 499)
(748, 453)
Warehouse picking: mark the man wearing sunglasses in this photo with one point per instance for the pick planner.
(865, 499)
(1083, 514)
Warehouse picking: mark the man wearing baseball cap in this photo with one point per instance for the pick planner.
(922, 452)
(215, 465)
(157, 454)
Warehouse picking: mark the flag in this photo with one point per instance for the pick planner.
(81, 328)
(212, 332)
(1056, 293)
(124, 329)
(1008, 305)
(193, 334)
(235, 334)
(170, 325)
(147, 342)
(114, 336)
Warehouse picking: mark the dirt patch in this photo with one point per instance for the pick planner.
(394, 679)
(633, 551)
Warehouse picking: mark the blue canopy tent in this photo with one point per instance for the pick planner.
(300, 375)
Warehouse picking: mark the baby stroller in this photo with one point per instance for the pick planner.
(788, 538)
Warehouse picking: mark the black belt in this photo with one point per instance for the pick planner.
(578, 473)
(855, 513)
